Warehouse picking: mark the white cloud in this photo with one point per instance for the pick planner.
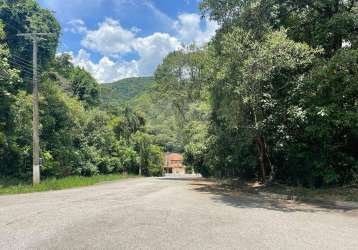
(189, 29)
(76, 26)
(105, 70)
(110, 38)
(152, 49)
(113, 41)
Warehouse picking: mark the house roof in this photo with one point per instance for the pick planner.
(174, 157)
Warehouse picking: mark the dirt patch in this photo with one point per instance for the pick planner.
(252, 195)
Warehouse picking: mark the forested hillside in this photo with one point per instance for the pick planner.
(78, 136)
(140, 94)
(122, 91)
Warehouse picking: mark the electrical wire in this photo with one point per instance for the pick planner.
(21, 60)
(19, 63)
(6, 76)
(22, 68)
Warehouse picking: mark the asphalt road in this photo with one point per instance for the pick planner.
(168, 214)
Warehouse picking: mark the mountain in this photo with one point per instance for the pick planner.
(139, 95)
(125, 90)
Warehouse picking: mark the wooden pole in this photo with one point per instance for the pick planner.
(35, 37)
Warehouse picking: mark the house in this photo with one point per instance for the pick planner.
(174, 164)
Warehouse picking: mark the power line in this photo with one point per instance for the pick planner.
(7, 77)
(21, 59)
(22, 67)
(20, 63)
(23, 70)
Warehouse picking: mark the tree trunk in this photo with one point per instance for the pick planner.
(262, 154)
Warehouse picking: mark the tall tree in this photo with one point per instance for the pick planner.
(267, 59)
(9, 81)
(320, 23)
(26, 16)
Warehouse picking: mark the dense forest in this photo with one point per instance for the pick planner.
(79, 135)
(273, 96)
(125, 90)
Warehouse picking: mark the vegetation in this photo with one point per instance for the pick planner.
(14, 187)
(79, 136)
(125, 90)
(272, 97)
(274, 94)
(142, 95)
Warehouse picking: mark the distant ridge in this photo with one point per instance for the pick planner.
(126, 89)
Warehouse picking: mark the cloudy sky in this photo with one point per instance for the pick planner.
(116, 39)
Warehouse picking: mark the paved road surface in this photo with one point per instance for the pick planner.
(168, 214)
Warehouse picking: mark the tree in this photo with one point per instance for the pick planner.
(150, 156)
(251, 82)
(84, 86)
(320, 23)
(75, 80)
(181, 87)
(330, 128)
(26, 16)
(9, 82)
(78, 136)
(267, 85)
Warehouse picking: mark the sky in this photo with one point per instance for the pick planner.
(116, 39)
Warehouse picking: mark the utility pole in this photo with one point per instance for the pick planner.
(36, 38)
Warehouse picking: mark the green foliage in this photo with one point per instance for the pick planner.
(12, 107)
(320, 23)
(273, 96)
(181, 91)
(75, 80)
(15, 187)
(330, 127)
(152, 108)
(26, 16)
(161, 121)
(273, 91)
(76, 140)
(78, 136)
(156, 161)
(151, 157)
(125, 90)
(84, 86)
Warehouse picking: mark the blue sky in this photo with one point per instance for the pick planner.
(116, 39)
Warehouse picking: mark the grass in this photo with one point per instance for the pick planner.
(11, 186)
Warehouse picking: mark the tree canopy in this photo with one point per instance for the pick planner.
(78, 135)
(281, 85)
(273, 97)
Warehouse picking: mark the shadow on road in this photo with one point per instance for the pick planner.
(243, 199)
